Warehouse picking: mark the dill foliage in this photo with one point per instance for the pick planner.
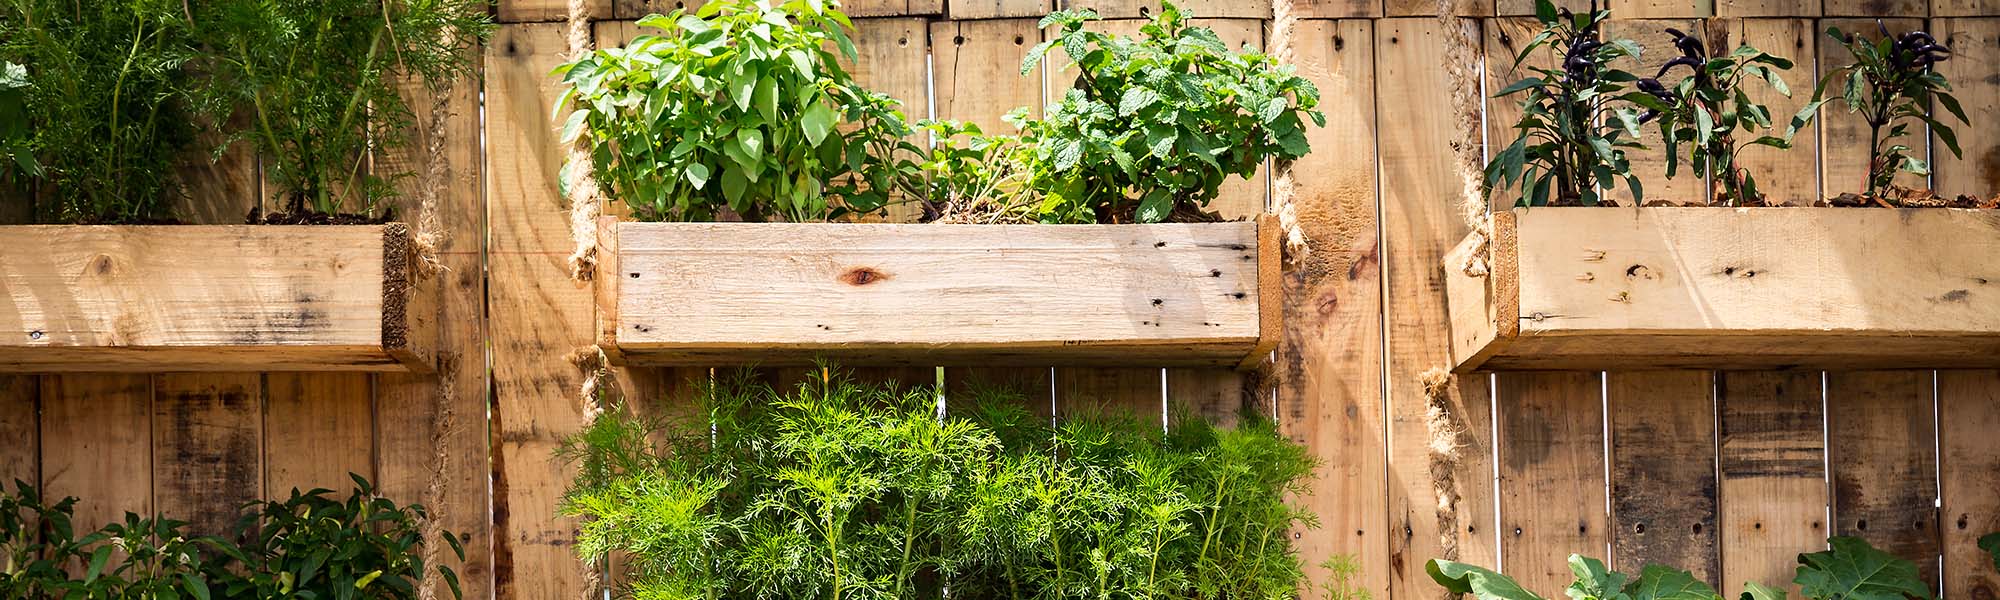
(840, 490)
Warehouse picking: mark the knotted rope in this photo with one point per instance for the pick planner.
(1462, 78)
(1284, 185)
(1447, 438)
(430, 236)
(583, 193)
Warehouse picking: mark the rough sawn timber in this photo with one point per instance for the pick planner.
(893, 294)
(1666, 288)
(208, 298)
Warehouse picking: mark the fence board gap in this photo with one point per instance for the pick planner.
(1881, 440)
(1663, 482)
(1773, 465)
(1551, 430)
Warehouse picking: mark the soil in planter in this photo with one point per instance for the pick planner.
(299, 215)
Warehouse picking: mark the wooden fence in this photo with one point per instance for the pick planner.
(1728, 474)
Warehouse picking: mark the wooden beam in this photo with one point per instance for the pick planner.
(208, 298)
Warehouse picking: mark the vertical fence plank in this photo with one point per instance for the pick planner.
(1134, 391)
(976, 70)
(1785, 176)
(208, 445)
(1881, 437)
(1844, 135)
(1917, 9)
(1975, 48)
(1420, 221)
(538, 317)
(319, 427)
(1662, 9)
(1551, 431)
(1770, 8)
(97, 441)
(1504, 39)
(1663, 487)
(1330, 374)
(1141, 9)
(21, 456)
(1773, 465)
(892, 58)
(539, 11)
(1969, 464)
(1964, 8)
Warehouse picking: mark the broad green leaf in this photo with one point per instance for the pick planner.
(1757, 591)
(573, 127)
(1991, 544)
(1156, 206)
(697, 175)
(1135, 99)
(765, 98)
(1657, 582)
(1594, 581)
(817, 122)
(97, 560)
(1854, 570)
(1461, 578)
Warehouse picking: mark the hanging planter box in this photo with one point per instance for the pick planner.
(1644, 288)
(210, 298)
(924, 294)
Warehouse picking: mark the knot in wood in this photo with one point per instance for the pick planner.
(862, 276)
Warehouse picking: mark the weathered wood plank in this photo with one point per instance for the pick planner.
(208, 447)
(996, 9)
(1969, 466)
(186, 298)
(1975, 48)
(1551, 430)
(96, 431)
(1663, 475)
(1770, 8)
(1705, 287)
(1329, 394)
(893, 57)
(1419, 221)
(1881, 438)
(1786, 177)
(20, 424)
(882, 294)
(535, 11)
(1773, 469)
(320, 427)
(1126, 391)
(976, 70)
(538, 317)
(1141, 9)
(1661, 9)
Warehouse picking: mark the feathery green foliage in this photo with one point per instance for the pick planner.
(318, 84)
(1155, 125)
(840, 490)
(108, 108)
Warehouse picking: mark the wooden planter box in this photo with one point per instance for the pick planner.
(1642, 288)
(692, 294)
(210, 298)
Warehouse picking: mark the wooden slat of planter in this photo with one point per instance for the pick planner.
(207, 298)
(1693, 287)
(882, 294)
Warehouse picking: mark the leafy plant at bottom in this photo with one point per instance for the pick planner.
(1854, 570)
(1155, 125)
(740, 106)
(318, 83)
(1577, 118)
(312, 545)
(1991, 544)
(109, 110)
(1890, 83)
(1850, 570)
(132, 559)
(1710, 111)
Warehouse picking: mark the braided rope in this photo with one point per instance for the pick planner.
(1462, 78)
(583, 192)
(1284, 185)
(1444, 459)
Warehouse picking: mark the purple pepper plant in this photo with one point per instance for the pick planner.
(1577, 120)
(1891, 82)
(1707, 119)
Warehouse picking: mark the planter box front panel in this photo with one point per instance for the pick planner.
(1637, 288)
(206, 298)
(734, 293)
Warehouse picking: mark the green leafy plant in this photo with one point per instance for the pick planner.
(1854, 570)
(317, 83)
(741, 105)
(14, 133)
(312, 545)
(1154, 125)
(841, 490)
(973, 177)
(1578, 118)
(1991, 544)
(1850, 570)
(1709, 110)
(36, 541)
(110, 109)
(137, 559)
(1891, 83)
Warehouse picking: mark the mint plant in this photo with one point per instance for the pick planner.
(841, 490)
(1578, 118)
(1709, 111)
(1153, 126)
(1891, 83)
(740, 108)
(318, 84)
(109, 113)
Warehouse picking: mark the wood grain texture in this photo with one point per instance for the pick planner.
(996, 9)
(208, 441)
(1141, 9)
(1135, 392)
(1964, 8)
(187, 298)
(1661, 9)
(320, 427)
(1786, 177)
(1133, 294)
(1770, 8)
(1329, 394)
(1419, 222)
(1881, 443)
(20, 425)
(1975, 48)
(1706, 287)
(537, 315)
(1338, 9)
(634, 9)
(1844, 134)
(975, 68)
(1969, 469)
(97, 444)
(1773, 468)
(536, 11)
(1551, 430)
(1895, 10)
(1663, 473)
